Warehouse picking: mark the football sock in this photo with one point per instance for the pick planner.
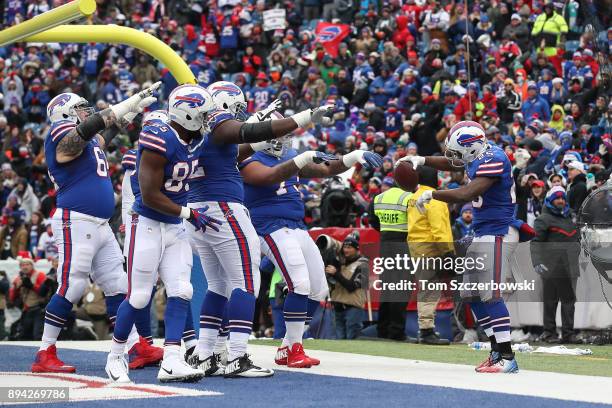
(189, 337)
(294, 312)
(240, 313)
(211, 316)
(500, 323)
(223, 334)
(56, 314)
(112, 304)
(484, 321)
(313, 306)
(126, 316)
(174, 319)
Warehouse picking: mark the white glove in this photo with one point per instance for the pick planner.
(148, 101)
(316, 116)
(415, 160)
(259, 146)
(273, 106)
(132, 104)
(367, 159)
(425, 198)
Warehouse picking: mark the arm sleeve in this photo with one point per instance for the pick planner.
(150, 141)
(59, 130)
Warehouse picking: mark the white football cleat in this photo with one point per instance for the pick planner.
(244, 367)
(175, 369)
(117, 368)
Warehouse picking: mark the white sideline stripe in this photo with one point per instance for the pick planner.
(541, 384)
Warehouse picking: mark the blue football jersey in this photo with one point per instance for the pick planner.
(275, 206)
(182, 160)
(217, 177)
(494, 210)
(83, 184)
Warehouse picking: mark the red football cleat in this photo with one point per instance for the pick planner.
(281, 355)
(47, 362)
(296, 358)
(143, 354)
(493, 358)
(313, 361)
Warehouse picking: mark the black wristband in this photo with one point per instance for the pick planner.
(256, 132)
(91, 126)
(109, 134)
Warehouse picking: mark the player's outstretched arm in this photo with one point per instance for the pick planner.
(367, 159)
(467, 193)
(257, 174)
(235, 132)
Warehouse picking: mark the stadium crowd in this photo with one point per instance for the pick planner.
(535, 74)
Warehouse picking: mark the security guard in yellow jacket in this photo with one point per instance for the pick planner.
(549, 26)
(389, 216)
(431, 236)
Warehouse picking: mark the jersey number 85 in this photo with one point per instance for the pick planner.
(180, 172)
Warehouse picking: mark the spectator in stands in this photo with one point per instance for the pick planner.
(347, 288)
(13, 235)
(554, 254)
(463, 224)
(4, 290)
(548, 29)
(29, 293)
(577, 189)
(93, 308)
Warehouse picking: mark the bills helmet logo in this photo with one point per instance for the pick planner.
(467, 140)
(193, 100)
(60, 100)
(229, 89)
(329, 33)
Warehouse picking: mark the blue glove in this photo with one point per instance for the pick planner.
(200, 220)
(372, 160)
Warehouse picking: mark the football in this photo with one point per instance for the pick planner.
(406, 176)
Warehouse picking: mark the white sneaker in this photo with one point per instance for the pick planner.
(519, 336)
(174, 369)
(117, 368)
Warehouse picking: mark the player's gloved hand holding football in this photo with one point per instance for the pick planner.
(135, 102)
(415, 160)
(425, 198)
(303, 159)
(369, 160)
(317, 116)
(198, 218)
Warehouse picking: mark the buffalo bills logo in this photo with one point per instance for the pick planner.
(193, 100)
(230, 90)
(59, 101)
(467, 140)
(329, 33)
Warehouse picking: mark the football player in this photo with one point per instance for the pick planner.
(74, 151)
(271, 178)
(230, 256)
(156, 240)
(142, 353)
(497, 232)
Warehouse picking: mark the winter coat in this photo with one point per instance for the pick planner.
(556, 245)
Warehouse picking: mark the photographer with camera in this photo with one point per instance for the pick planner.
(346, 276)
(29, 293)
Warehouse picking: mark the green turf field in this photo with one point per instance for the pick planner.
(599, 363)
